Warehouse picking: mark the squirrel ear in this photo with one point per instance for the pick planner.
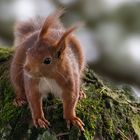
(61, 44)
(49, 21)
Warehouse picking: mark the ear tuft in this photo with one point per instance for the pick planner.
(49, 21)
(68, 32)
(61, 44)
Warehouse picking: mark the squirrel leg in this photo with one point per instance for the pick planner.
(69, 104)
(18, 84)
(16, 75)
(35, 103)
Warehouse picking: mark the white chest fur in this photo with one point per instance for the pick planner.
(49, 86)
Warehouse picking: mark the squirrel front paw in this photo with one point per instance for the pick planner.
(18, 102)
(41, 122)
(75, 121)
(82, 95)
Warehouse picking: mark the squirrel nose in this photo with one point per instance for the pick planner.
(27, 68)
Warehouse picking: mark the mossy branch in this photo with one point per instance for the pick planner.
(107, 113)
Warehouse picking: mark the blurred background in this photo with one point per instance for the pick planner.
(110, 38)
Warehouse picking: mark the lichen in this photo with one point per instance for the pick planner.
(107, 112)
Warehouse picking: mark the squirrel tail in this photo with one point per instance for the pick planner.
(24, 29)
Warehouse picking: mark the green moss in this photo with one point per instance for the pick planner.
(5, 53)
(107, 112)
(135, 120)
(46, 136)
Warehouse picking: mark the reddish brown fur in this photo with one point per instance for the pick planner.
(47, 40)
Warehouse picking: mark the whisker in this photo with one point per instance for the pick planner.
(61, 75)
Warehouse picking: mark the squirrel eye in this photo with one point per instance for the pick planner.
(47, 61)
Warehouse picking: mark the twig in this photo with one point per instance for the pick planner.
(123, 134)
(62, 134)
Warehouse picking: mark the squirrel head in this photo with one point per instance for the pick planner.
(45, 54)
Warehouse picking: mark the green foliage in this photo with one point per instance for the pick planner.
(46, 136)
(107, 113)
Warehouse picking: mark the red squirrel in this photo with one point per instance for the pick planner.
(48, 58)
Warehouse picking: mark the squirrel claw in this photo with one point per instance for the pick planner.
(82, 95)
(42, 123)
(77, 122)
(18, 102)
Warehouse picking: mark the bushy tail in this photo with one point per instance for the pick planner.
(24, 29)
